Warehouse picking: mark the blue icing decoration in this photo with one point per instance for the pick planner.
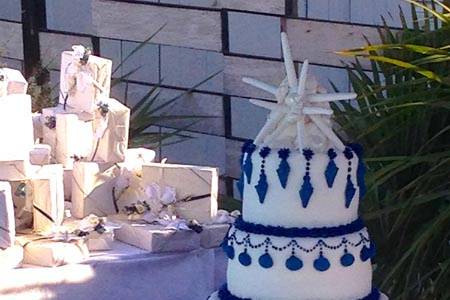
(283, 172)
(229, 251)
(245, 259)
(294, 263)
(248, 167)
(240, 185)
(348, 153)
(308, 154)
(365, 253)
(261, 187)
(349, 192)
(347, 259)
(265, 261)
(264, 152)
(331, 172)
(306, 191)
(321, 263)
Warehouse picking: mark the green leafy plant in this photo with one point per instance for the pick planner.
(403, 121)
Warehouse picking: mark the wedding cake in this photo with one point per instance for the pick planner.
(300, 236)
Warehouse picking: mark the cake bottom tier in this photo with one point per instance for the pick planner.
(269, 267)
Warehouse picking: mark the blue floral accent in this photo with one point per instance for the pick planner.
(294, 263)
(224, 294)
(262, 186)
(245, 259)
(331, 170)
(348, 153)
(264, 152)
(296, 232)
(349, 192)
(306, 191)
(308, 154)
(321, 263)
(266, 261)
(284, 168)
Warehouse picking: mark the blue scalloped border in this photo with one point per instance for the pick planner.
(225, 294)
(293, 232)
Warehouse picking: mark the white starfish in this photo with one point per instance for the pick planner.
(294, 103)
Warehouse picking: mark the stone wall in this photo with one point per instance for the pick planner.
(238, 37)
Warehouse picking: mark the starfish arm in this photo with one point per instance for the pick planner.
(282, 126)
(300, 132)
(317, 111)
(271, 106)
(330, 97)
(328, 132)
(269, 127)
(302, 79)
(288, 62)
(261, 85)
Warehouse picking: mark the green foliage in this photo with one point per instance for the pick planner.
(403, 121)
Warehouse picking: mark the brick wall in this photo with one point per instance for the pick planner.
(240, 37)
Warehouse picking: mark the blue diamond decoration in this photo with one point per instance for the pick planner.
(347, 259)
(321, 264)
(261, 187)
(306, 191)
(248, 168)
(349, 192)
(283, 172)
(331, 172)
(240, 185)
(245, 259)
(294, 263)
(365, 253)
(266, 261)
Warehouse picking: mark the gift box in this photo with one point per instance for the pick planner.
(45, 252)
(111, 127)
(37, 126)
(11, 257)
(15, 170)
(136, 157)
(17, 125)
(213, 234)
(92, 189)
(40, 154)
(196, 188)
(85, 79)
(100, 242)
(67, 180)
(155, 238)
(12, 82)
(46, 191)
(7, 223)
(23, 205)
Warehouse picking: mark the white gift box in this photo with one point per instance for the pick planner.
(83, 85)
(15, 170)
(17, 127)
(155, 238)
(12, 82)
(213, 235)
(46, 192)
(111, 132)
(44, 252)
(195, 182)
(40, 154)
(138, 157)
(7, 222)
(100, 242)
(23, 205)
(92, 187)
(37, 126)
(11, 257)
(67, 180)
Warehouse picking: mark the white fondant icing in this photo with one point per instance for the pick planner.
(279, 283)
(283, 207)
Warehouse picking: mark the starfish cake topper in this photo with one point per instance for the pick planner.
(299, 106)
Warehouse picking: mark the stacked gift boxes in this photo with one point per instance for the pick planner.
(66, 172)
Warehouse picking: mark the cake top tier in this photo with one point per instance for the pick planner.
(301, 118)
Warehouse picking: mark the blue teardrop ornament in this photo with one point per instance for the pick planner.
(321, 263)
(365, 253)
(245, 259)
(294, 263)
(347, 259)
(265, 261)
(331, 172)
(306, 191)
(229, 251)
(349, 192)
(283, 172)
(261, 187)
(248, 167)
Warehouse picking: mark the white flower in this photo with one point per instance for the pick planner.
(78, 51)
(165, 195)
(223, 217)
(123, 180)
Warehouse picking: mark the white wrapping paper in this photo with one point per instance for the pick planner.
(92, 187)
(11, 257)
(188, 181)
(44, 252)
(40, 154)
(78, 81)
(17, 127)
(100, 242)
(213, 235)
(155, 238)
(46, 192)
(13, 82)
(7, 223)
